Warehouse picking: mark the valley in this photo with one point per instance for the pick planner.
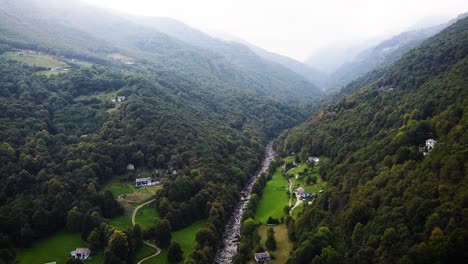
(128, 139)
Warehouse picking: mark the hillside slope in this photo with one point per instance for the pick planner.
(188, 116)
(78, 30)
(386, 202)
(236, 51)
(383, 54)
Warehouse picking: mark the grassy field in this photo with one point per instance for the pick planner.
(131, 197)
(147, 216)
(274, 198)
(55, 248)
(132, 194)
(185, 237)
(48, 73)
(311, 188)
(283, 245)
(81, 63)
(40, 60)
(146, 251)
(100, 96)
(122, 222)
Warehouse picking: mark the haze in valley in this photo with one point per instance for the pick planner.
(298, 28)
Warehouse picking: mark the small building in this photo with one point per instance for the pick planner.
(300, 191)
(130, 167)
(301, 194)
(430, 143)
(142, 182)
(58, 69)
(120, 99)
(81, 253)
(262, 257)
(306, 195)
(314, 159)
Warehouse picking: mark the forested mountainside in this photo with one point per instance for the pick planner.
(389, 198)
(383, 54)
(186, 112)
(237, 51)
(78, 30)
(62, 138)
(308, 72)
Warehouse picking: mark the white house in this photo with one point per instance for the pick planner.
(262, 257)
(81, 253)
(314, 159)
(300, 191)
(430, 143)
(120, 99)
(130, 167)
(141, 182)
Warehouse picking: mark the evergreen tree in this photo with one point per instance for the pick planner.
(163, 233)
(174, 253)
(270, 242)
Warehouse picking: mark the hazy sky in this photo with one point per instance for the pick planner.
(295, 28)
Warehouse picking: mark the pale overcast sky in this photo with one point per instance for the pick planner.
(295, 28)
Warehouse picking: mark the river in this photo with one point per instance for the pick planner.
(228, 250)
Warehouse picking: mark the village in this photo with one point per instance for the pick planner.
(295, 185)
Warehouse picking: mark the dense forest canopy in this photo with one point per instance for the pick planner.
(392, 199)
(195, 115)
(84, 93)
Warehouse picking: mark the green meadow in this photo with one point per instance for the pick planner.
(185, 237)
(146, 216)
(283, 246)
(36, 60)
(274, 198)
(56, 247)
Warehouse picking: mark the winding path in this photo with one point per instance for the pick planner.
(158, 250)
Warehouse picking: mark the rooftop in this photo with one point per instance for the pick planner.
(143, 180)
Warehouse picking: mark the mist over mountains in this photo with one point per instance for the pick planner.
(127, 139)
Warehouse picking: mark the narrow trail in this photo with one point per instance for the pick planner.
(158, 250)
(290, 193)
(298, 202)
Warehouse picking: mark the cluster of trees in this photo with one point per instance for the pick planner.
(187, 110)
(51, 157)
(385, 201)
(118, 246)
